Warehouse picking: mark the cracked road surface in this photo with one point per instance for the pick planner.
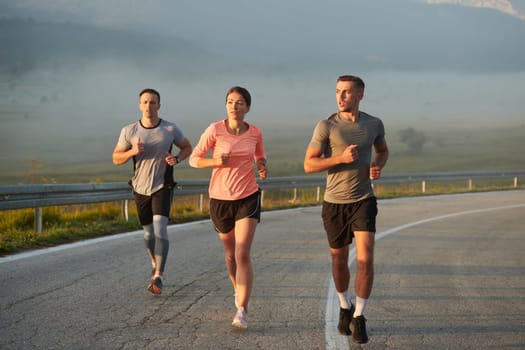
(449, 274)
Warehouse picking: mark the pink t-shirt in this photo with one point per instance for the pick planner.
(236, 179)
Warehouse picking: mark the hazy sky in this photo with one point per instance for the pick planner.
(408, 51)
(419, 61)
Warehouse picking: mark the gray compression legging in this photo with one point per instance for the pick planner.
(156, 239)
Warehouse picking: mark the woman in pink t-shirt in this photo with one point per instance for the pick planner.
(235, 201)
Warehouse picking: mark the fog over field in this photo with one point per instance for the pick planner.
(71, 71)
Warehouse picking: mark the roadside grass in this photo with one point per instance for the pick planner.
(66, 224)
(60, 225)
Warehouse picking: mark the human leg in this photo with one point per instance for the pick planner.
(364, 242)
(335, 221)
(236, 222)
(340, 270)
(160, 254)
(159, 248)
(244, 234)
(162, 243)
(339, 235)
(341, 276)
(149, 241)
(228, 242)
(363, 283)
(237, 246)
(222, 216)
(161, 205)
(145, 213)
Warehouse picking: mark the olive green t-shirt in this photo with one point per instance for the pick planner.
(348, 183)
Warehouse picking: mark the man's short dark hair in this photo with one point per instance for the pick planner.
(150, 91)
(358, 82)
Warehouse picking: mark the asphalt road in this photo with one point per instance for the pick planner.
(450, 274)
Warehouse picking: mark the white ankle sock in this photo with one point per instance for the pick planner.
(344, 300)
(360, 306)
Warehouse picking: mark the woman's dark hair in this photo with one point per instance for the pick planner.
(243, 92)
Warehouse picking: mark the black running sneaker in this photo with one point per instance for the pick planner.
(155, 285)
(358, 329)
(345, 316)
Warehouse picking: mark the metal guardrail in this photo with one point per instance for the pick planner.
(42, 195)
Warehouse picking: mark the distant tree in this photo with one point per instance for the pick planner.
(415, 140)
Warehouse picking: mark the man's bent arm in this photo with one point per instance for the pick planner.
(314, 163)
(122, 155)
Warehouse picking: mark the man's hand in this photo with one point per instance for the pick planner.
(137, 147)
(170, 159)
(375, 171)
(350, 154)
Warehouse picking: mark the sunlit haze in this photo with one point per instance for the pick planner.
(71, 70)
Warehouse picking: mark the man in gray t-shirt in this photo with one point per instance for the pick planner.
(149, 143)
(343, 145)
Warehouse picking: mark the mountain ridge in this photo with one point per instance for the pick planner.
(457, 39)
(36, 44)
(505, 6)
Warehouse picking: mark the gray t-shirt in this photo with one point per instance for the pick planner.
(151, 172)
(348, 183)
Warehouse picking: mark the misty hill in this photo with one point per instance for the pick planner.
(279, 37)
(396, 35)
(33, 45)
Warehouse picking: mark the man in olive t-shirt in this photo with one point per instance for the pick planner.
(343, 145)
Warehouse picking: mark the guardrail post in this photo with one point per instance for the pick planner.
(423, 186)
(470, 184)
(125, 209)
(515, 182)
(318, 194)
(294, 199)
(38, 220)
(201, 202)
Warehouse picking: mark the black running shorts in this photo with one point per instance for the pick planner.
(342, 220)
(159, 203)
(224, 213)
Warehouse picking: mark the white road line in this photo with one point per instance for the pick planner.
(332, 337)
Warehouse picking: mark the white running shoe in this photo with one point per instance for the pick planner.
(240, 318)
